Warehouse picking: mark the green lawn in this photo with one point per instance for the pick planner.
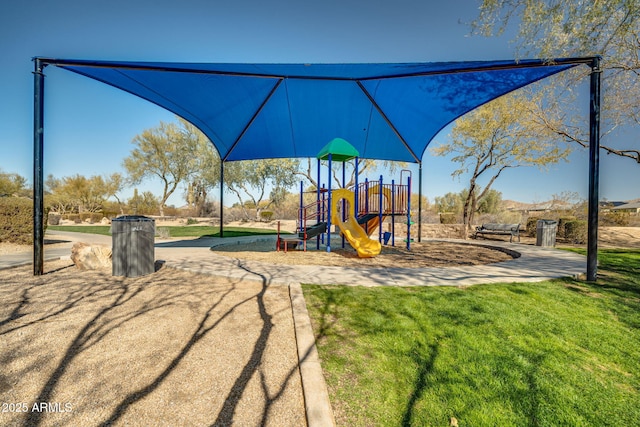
(182, 231)
(555, 353)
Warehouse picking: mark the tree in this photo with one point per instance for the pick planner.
(175, 153)
(564, 28)
(490, 202)
(206, 169)
(113, 184)
(249, 179)
(449, 203)
(168, 152)
(12, 184)
(76, 193)
(454, 202)
(145, 204)
(496, 137)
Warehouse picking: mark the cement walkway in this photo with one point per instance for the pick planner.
(533, 264)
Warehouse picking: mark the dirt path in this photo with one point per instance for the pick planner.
(171, 348)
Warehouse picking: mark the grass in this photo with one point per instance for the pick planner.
(179, 231)
(554, 353)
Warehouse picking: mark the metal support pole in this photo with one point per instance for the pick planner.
(393, 212)
(221, 198)
(299, 227)
(356, 208)
(38, 163)
(380, 208)
(319, 207)
(329, 207)
(594, 170)
(409, 212)
(344, 202)
(419, 202)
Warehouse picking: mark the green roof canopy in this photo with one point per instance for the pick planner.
(340, 150)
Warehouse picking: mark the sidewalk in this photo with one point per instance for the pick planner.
(534, 264)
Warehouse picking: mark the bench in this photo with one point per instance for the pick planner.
(499, 229)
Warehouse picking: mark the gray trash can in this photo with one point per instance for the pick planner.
(133, 252)
(546, 232)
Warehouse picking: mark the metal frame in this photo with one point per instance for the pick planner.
(594, 142)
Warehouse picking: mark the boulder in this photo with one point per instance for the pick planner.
(105, 221)
(90, 257)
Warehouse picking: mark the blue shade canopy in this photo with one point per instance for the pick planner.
(256, 111)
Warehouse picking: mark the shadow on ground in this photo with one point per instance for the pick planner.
(172, 348)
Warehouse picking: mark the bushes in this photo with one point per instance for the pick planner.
(266, 216)
(54, 218)
(562, 225)
(615, 219)
(448, 218)
(576, 231)
(532, 226)
(16, 220)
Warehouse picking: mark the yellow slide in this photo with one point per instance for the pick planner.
(351, 230)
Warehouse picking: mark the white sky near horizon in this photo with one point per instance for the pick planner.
(89, 126)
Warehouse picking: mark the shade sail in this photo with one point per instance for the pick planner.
(254, 111)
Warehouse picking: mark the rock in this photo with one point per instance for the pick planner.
(90, 257)
(105, 221)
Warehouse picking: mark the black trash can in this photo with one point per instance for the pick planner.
(546, 232)
(133, 252)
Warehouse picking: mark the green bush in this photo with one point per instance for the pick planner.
(16, 220)
(561, 225)
(191, 221)
(448, 218)
(266, 216)
(576, 231)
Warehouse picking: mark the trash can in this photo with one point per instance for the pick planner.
(546, 232)
(133, 252)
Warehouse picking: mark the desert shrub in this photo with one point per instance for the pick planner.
(73, 217)
(532, 226)
(266, 216)
(90, 217)
(561, 225)
(448, 218)
(110, 214)
(54, 219)
(163, 232)
(16, 220)
(619, 219)
(191, 221)
(576, 231)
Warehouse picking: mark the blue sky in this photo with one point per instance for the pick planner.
(89, 126)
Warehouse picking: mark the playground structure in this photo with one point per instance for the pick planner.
(357, 211)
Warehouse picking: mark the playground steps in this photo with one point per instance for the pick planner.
(312, 231)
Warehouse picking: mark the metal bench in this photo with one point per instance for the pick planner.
(512, 230)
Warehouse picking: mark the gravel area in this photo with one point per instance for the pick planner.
(169, 349)
(424, 254)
